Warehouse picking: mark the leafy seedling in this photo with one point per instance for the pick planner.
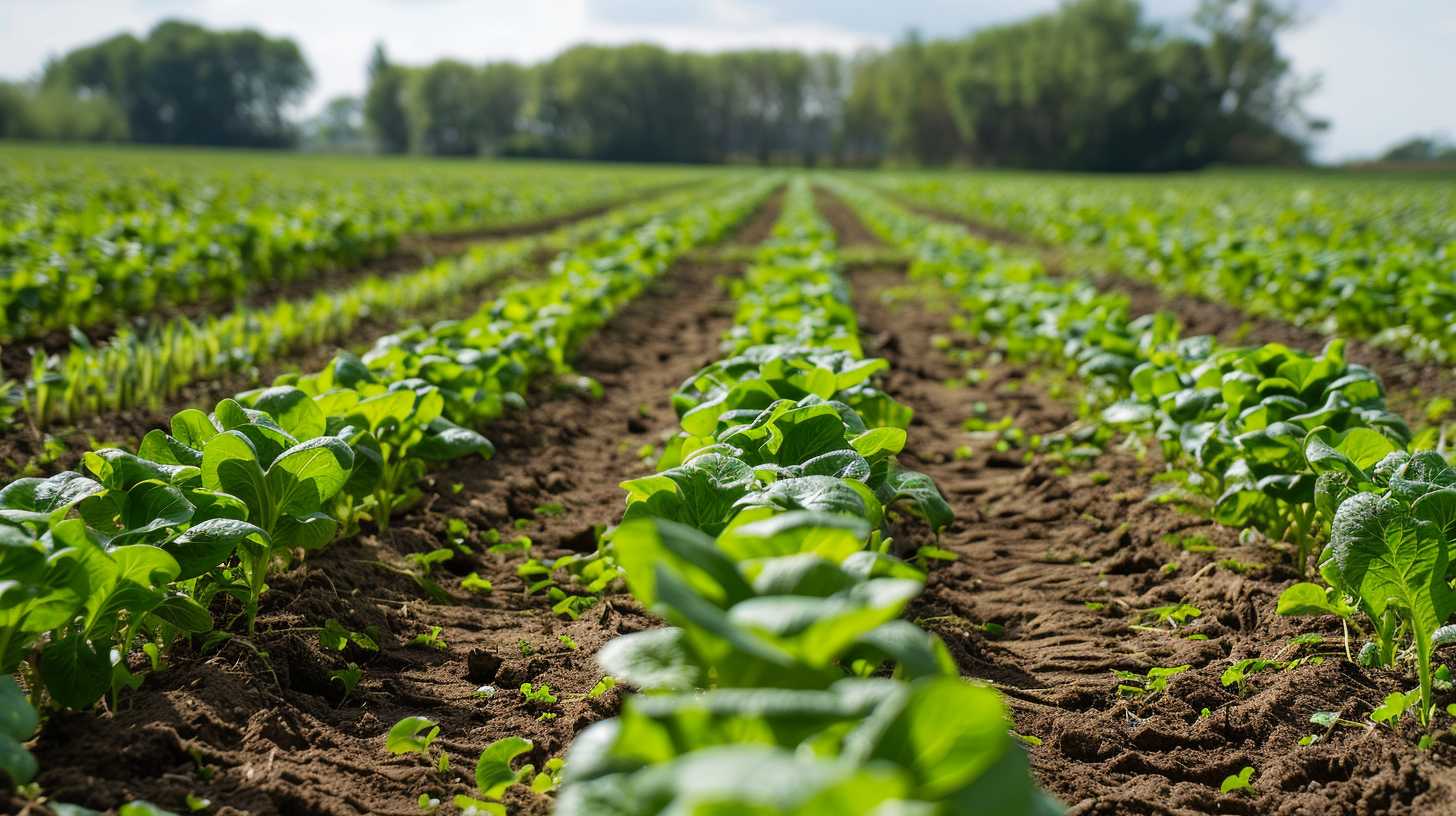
(430, 639)
(538, 696)
(1173, 615)
(348, 677)
(604, 685)
(474, 584)
(1155, 681)
(549, 779)
(494, 774)
(519, 544)
(926, 554)
(1239, 673)
(1243, 780)
(335, 638)
(412, 735)
(1396, 704)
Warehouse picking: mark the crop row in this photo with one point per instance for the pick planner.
(1350, 257)
(144, 369)
(83, 243)
(786, 682)
(142, 548)
(1301, 448)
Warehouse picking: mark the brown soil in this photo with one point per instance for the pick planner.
(848, 229)
(1408, 382)
(760, 225)
(291, 745)
(1066, 566)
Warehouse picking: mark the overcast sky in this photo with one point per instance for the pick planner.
(1388, 67)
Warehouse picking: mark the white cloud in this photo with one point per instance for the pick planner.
(1386, 65)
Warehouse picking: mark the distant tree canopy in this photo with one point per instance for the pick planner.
(338, 128)
(1421, 149)
(54, 114)
(1091, 86)
(184, 84)
(1094, 85)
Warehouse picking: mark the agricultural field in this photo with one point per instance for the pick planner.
(353, 486)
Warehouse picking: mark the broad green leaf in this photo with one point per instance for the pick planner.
(833, 537)
(293, 410)
(144, 565)
(17, 719)
(120, 470)
(192, 428)
(657, 659)
(948, 735)
(493, 772)
(163, 448)
(1358, 448)
(879, 442)
(184, 613)
(1310, 599)
(824, 494)
(411, 735)
(208, 544)
(308, 474)
(643, 547)
(75, 672)
(445, 441)
(920, 491)
(150, 507)
(307, 532)
(230, 464)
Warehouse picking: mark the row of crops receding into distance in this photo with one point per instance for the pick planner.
(351, 486)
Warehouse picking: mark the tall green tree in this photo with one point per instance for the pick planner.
(446, 109)
(384, 108)
(185, 84)
(629, 103)
(504, 87)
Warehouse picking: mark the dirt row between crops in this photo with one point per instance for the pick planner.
(1048, 595)
(1066, 565)
(274, 736)
(23, 451)
(1408, 383)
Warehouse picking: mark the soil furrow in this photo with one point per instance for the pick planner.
(295, 746)
(849, 231)
(1055, 587)
(759, 226)
(1063, 578)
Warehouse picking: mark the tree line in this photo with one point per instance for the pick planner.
(180, 84)
(1094, 85)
